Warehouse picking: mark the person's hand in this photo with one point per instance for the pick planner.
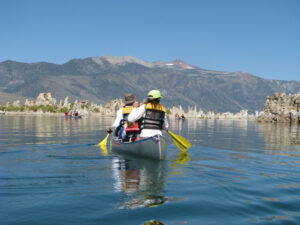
(108, 130)
(136, 105)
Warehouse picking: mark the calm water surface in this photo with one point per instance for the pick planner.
(236, 172)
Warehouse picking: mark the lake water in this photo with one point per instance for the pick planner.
(236, 172)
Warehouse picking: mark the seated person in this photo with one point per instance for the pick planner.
(121, 119)
(152, 115)
(132, 131)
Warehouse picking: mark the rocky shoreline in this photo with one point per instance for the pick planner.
(281, 107)
(278, 108)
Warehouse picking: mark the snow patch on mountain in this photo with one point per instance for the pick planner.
(122, 60)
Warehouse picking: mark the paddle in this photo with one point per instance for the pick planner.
(104, 150)
(180, 141)
(104, 141)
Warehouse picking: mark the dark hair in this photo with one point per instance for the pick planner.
(153, 101)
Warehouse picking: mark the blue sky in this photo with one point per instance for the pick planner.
(261, 37)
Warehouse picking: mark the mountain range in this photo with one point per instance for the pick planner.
(101, 79)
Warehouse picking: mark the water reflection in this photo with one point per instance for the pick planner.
(46, 129)
(141, 179)
(223, 134)
(280, 134)
(236, 169)
(182, 158)
(195, 124)
(282, 139)
(177, 124)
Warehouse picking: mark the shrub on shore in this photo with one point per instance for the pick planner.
(44, 108)
(34, 108)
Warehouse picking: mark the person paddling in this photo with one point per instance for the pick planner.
(120, 122)
(152, 115)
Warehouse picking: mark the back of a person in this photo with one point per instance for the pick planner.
(151, 115)
(121, 131)
(121, 118)
(153, 120)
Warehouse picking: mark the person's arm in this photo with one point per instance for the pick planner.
(136, 113)
(118, 119)
(166, 123)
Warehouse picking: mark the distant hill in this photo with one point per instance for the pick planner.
(101, 79)
(7, 97)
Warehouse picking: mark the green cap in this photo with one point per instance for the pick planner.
(153, 94)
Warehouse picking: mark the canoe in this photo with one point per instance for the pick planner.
(152, 147)
(75, 117)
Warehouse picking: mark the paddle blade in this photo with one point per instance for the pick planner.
(104, 150)
(180, 141)
(104, 141)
